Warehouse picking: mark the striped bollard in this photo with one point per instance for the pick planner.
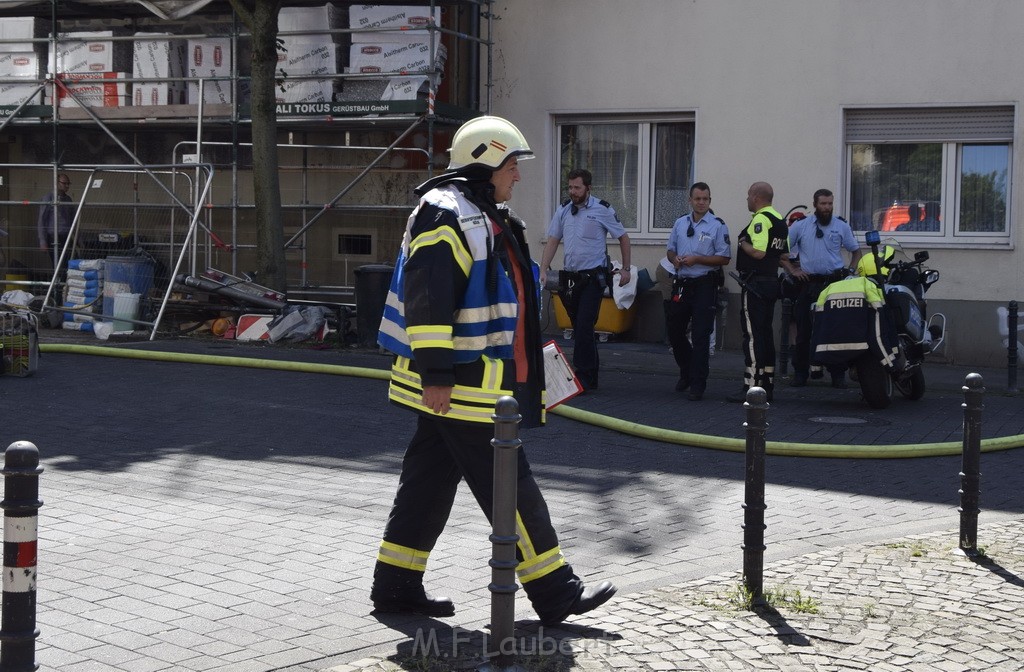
(21, 504)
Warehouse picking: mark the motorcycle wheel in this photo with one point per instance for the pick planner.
(875, 382)
(912, 387)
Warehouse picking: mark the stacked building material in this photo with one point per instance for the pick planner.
(210, 58)
(394, 45)
(84, 294)
(92, 67)
(314, 53)
(21, 60)
(160, 56)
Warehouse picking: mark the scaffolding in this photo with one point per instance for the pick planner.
(347, 167)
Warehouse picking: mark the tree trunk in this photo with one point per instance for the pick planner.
(260, 17)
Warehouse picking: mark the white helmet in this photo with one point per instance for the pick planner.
(487, 141)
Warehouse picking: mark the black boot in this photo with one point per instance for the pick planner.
(400, 591)
(588, 600)
(413, 604)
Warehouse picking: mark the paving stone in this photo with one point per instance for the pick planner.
(237, 534)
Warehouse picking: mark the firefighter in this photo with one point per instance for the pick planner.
(463, 320)
(761, 248)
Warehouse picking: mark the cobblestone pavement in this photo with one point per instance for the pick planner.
(915, 604)
(222, 518)
(919, 603)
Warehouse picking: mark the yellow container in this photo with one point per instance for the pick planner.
(610, 320)
(14, 276)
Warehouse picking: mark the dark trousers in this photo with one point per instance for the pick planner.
(441, 453)
(693, 306)
(583, 305)
(756, 316)
(803, 315)
(51, 246)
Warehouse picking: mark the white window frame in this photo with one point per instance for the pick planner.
(641, 229)
(952, 128)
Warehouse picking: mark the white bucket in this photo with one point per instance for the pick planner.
(126, 307)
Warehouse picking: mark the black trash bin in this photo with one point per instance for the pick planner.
(372, 284)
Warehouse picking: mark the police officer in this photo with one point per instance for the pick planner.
(584, 223)
(463, 321)
(698, 247)
(819, 241)
(760, 249)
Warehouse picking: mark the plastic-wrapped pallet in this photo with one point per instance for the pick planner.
(393, 40)
(84, 293)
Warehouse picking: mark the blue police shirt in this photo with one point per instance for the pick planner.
(821, 256)
(585, 234)
(710, 238)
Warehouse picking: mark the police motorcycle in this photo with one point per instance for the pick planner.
(877, 322)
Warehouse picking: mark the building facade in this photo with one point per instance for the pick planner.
(908, 111)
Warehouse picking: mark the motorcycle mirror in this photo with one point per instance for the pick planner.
(921, 256)
(872, 237)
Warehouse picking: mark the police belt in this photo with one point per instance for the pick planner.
(678, 281)
(750, 276)
(835, 275)
(578, 276)
(577, 280)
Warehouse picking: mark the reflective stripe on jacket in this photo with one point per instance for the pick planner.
(849, 320)
(455, 331)
(485, 322)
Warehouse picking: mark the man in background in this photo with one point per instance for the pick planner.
(697, 248)
(55, 217)
(584, 222)
(819, 241)
(761, 248)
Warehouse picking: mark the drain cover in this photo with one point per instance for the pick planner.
(838, 420)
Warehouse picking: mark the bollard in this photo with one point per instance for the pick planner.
(753, 495)
(21, 504)
(1011, 348)
(787, 319)
(970, 474)
(506, 442)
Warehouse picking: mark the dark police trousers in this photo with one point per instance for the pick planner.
(442, 453)
(756, 315)
(692, 305)
(582, 301)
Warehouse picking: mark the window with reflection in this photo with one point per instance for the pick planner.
(952, 182)
(642, 167)
(891, 184)
(984, 185)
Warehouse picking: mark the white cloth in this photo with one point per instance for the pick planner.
(624, 295)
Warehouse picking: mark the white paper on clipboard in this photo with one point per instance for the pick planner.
(559, 378)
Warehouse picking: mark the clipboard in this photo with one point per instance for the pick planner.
(559, 378)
